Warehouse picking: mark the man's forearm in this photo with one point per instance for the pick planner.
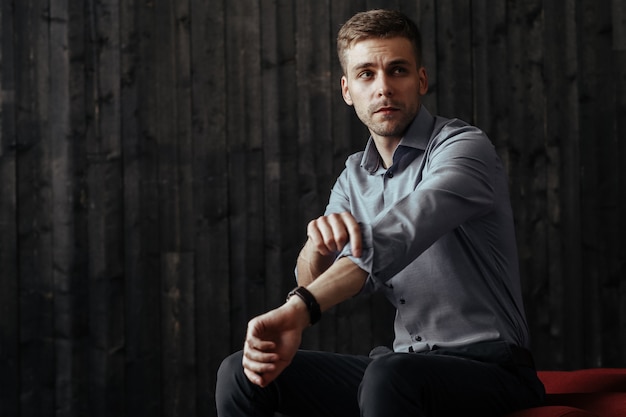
(311, 264)
(341, 281)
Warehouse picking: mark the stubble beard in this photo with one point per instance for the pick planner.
(393, 125)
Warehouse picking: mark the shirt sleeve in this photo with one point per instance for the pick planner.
(456, 186)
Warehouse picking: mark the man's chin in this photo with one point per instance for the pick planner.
(389, 130)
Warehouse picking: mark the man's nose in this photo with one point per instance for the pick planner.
(384, 86)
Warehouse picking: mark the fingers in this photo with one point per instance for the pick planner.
(264, 354)
(256, 379)
(258, 359)
(354, 231)
(331, 233)
(255, 349)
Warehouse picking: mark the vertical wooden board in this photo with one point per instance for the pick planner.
(595, 189)
(105, 222)
(618, 26)
(178, 330)
(454, 60)
(489, 72)
(245, 160)
(79, 300)
(598, 142)
(67, 351)
(620, 109)
(562, 140)
(37, 366)
(607, 190)
(167, 129)
(106, 292)
(210, 195)
(381, 4)
(9, 282)
(183, 122)
(527, 155)
(176, 207)
(141, 233)
(619, 54)
(613, 354)
(179, 343)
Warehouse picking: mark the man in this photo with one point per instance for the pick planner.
(422, 215)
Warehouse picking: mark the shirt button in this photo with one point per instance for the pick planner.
(402, 301)
(390, 174)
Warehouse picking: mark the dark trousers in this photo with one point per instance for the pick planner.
(438, 383)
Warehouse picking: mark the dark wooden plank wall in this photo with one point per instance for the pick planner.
(159, 161)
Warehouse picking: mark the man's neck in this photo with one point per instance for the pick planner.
(386, 146)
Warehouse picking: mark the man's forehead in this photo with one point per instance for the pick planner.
(374, 50)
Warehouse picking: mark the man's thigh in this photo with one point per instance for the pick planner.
(439, 385)
(321, 384)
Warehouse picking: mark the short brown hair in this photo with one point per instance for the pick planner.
(381, 24)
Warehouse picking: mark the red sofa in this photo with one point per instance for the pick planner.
(599, 392)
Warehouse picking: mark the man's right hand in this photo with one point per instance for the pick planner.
(329, 234)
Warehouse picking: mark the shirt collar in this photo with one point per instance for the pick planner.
(416, 136)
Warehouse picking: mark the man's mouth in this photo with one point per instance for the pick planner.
(386, 110)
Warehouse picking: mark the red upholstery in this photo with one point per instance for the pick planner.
(598, 392)
(552, 411)
(584, 380)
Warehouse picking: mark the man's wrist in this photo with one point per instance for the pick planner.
(309, 301)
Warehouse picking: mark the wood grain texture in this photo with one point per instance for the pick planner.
(160, 161)
(210, 198)
(9, 279)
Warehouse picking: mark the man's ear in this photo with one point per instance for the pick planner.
(345, 92)
(423, 77)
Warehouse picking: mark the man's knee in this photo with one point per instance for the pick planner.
(235, 395)
(230, 366)
(379, 376)
(385, 371)
(388, 385)
(229, 376)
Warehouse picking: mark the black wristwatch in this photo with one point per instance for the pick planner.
(309, 300)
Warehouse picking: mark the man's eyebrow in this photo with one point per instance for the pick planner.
(398, 61)
(362, 65)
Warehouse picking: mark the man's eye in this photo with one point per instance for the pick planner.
(365, 74)
(399, 70)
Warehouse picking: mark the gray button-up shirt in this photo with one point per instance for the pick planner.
(438, 235)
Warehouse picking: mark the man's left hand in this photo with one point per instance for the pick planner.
(272, 341)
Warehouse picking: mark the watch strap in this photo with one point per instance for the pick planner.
(311, 303)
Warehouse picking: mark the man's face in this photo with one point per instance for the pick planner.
(384, 84)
